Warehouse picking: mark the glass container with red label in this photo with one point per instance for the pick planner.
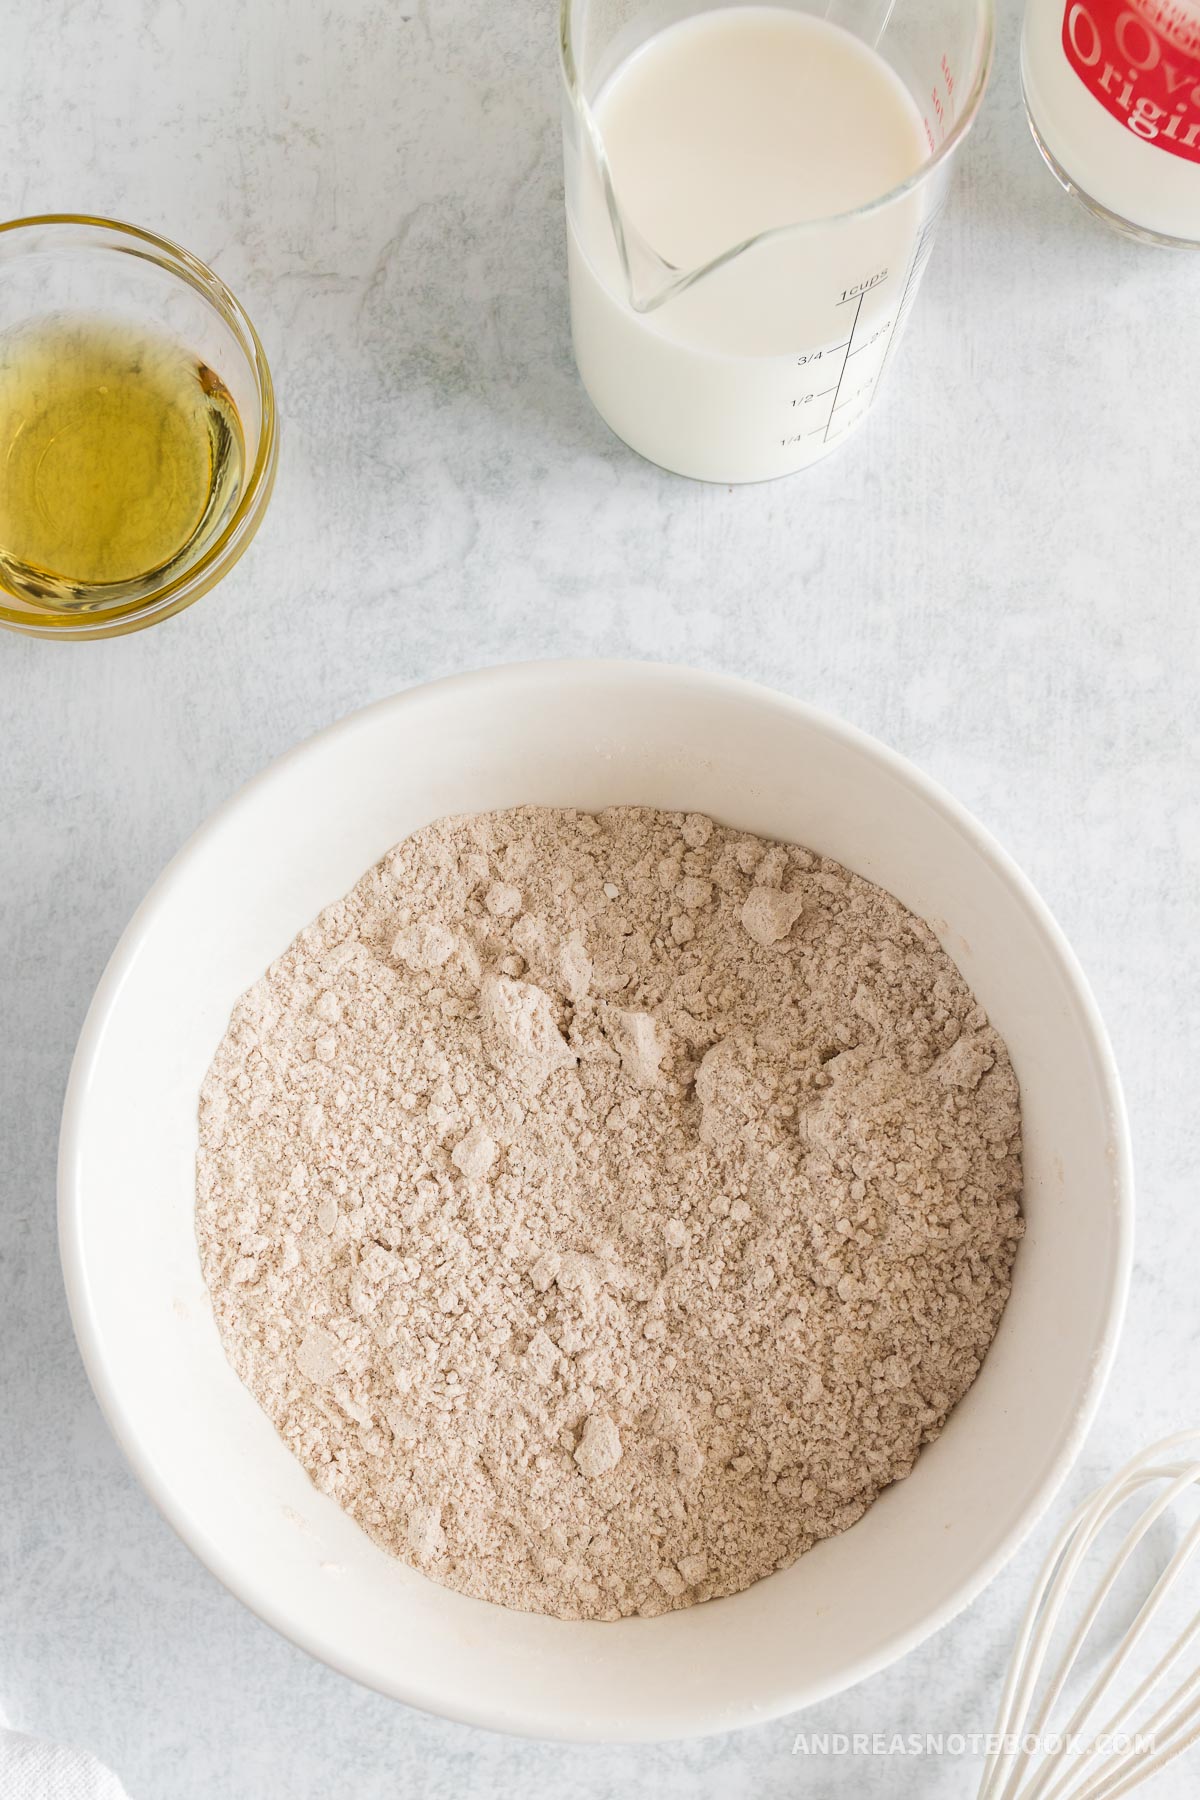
(1112, 89)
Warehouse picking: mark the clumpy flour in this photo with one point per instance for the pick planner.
(605, 1208)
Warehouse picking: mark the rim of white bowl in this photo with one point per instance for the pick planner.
(528, 1720)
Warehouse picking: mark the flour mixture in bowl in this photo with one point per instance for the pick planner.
(606, 1208)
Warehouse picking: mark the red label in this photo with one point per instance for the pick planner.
(1141, 59)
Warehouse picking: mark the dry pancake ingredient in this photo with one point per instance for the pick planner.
(606, 1208)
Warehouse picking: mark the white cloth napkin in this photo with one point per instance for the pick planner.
(33, 1769)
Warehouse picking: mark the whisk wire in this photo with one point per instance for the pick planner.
(1153, 1726)
(1038, 1789)
(1037, 1629)
(1096, 1772)
(1143, 1764)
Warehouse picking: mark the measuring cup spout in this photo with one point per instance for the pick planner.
(649, 278)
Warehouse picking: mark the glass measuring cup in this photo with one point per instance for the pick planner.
(766, 356)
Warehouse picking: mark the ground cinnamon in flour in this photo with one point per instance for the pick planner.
(604, 1209)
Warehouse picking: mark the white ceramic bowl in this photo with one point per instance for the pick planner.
(583, 734)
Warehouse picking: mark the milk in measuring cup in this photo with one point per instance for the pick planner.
(723, 126)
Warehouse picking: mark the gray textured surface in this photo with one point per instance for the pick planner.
(998, 577)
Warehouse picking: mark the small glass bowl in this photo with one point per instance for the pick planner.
(65, 264)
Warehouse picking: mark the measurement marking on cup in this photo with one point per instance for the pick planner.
(860, 288)
(837, 390)
(845, 425)
(873, 339)
(807, 399)
(850, 399)
(854, 399)
(920, 257)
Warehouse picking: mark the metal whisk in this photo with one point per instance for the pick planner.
(1027, 1763)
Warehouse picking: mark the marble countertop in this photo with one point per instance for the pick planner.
(999, 577)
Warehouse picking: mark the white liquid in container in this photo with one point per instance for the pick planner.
(725, 125)
(1112, 88)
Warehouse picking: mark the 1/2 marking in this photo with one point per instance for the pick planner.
(804, 399)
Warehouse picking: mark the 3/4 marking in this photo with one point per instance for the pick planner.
(816, 355)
